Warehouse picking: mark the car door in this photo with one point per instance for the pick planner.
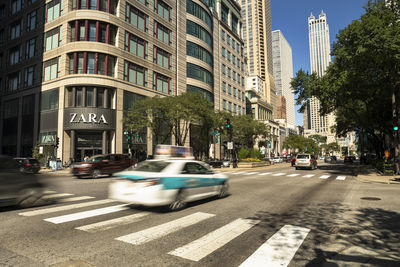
(199, 180)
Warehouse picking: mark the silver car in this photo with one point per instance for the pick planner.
(306, 161)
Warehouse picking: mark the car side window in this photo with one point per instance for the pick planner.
(194, 168)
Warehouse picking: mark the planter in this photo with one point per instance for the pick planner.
(253, 164)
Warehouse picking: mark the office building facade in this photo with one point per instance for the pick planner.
(99, 57)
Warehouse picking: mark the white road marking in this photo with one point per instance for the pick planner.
(238, 172)
(278, 174)
(71, 199)
(57, 195)
(158, 231)
(279, 249)
(67, 207)
(342, 178)
(105, 225)
(86, 214)
(207, 244)
(49, 192)
(309, 175)
(293, 175)
(324, 176)
(251, 173)
(265, 173)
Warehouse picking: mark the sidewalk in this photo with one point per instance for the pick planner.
(273, 166)
(60, 172)
(371, 175)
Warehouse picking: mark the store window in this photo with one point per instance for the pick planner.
(49, 100)
(135, 73)
(135, 45)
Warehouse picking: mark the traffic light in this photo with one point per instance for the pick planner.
(396, 128)
(228, 123)
(57, 142)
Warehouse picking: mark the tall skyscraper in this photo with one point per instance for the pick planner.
(257, 37)
(319, 61)
(283, 73)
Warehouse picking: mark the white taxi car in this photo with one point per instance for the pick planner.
(168, 182)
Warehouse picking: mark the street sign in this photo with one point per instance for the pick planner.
(230, 145)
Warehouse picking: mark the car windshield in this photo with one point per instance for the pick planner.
(152, 166)
(95, 159)
(303, 156)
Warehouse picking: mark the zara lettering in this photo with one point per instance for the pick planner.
(91, 118)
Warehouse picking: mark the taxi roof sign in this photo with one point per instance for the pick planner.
(170, 152)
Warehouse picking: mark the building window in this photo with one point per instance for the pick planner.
(233, 59)
(238, 78)
(224, 104)
(238, 50)
(199, 32)
(16, 30)
(242, 81)
(229, 56)
(15, 55)
(14, 81)
(228, 39)
(30, 48)
(234, 76)
(196, 10)
(51, 69)
(223, 69)
(93, 31)
(224, 13)
(229, 106)
(49, 100)
(54, 9)
(197, 51)
(234, 91)
(235, 22)
(229, 72)
(239, 94)
(32, 21)
(16, 6)
(53, 39)
(161, 83)
(109, 6)
(91, 63)
(136, 17)
(223, 35)
(135, 45)
(29, 77)
(135, 73)
(161, 57)
(233, 44)
(162, 9)
(224, 87)
(223, 52)
(199, 73)
(144, 2)
(234, 108)
(229, 89)
(162, 33)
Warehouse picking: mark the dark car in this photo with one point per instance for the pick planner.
(17, 187)
(215, 163)
(29, 165)
(102, 164)
(330, 159)
(348, 159)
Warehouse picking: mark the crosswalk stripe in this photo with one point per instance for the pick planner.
(57, 195)
(251, 173)
(105, 225)
(207, 244)
(86, 214)
(67, 207)
(342, 178)
(265, 173)
(309, 175)
(324, 176)
(238, 172)
(71, 199)
(279, 249)
(293, 175)
(158, 231)
(278, 174)
(49, 192)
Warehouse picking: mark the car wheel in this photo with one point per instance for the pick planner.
(223, 191)
(28, 197)
(96, 173)
(297, 168)
(179, 202)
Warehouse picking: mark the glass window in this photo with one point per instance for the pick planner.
(223, 69)
(90, 63)
(14, 81)
(223, 51)
(100, 97)
(79, 97)
(53, 39)
(29, 76)
(161, 57)
(229, 72)
(224, 87)
(15, 55)
(199, 52)
(199, 73)
(16, 30)
(161, 83)
(54, 10)
(162, 9)
(89, 96)
(199, 32)
(51, 69)
(32, 21)
(224, 104)
(135, 45)
(229, 56)
(234, 91)
(228, 39)
(136, 17)
(92, 31)
(224, 13)
(162, 33)
(135, 73)
(101, 64)
(235, 22)
(30, 48)
(16, 6)
(229, 89)
(49, 100)
(196, 10)
(80, 63)
(223, 35)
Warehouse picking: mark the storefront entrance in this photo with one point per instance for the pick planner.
(88, 144)
(81, 153)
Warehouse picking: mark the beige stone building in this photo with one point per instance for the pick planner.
(99, 57)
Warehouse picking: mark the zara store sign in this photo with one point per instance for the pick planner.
(89, 118)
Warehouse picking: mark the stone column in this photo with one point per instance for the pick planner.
(72, 144)
(104, 143)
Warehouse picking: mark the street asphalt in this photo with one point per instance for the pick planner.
(275, 215)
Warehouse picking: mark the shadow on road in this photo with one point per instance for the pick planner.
(339, 234)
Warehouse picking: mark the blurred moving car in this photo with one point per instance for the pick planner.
(348, 159)
(102, 164)
(306, 161)
(168, 182)
(17, 187)
(277, 160)
(215, 163)
(330, 159)
(28, 165)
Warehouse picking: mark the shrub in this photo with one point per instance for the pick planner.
(255, 153)
(243, 153)
(251, 160)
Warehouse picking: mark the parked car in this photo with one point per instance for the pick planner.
(102, 164)
(348, 159)
(306, 161)
(215, 163)
(330, 159)
(277, 160)
(17, 187)
(170, 182)
(28, 165)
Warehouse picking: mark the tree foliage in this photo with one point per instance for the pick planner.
(358, 85)
(300, 143)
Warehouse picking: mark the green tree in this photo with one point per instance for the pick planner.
(364, 76)
(300, 143)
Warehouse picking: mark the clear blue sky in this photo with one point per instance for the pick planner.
(290, 16)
